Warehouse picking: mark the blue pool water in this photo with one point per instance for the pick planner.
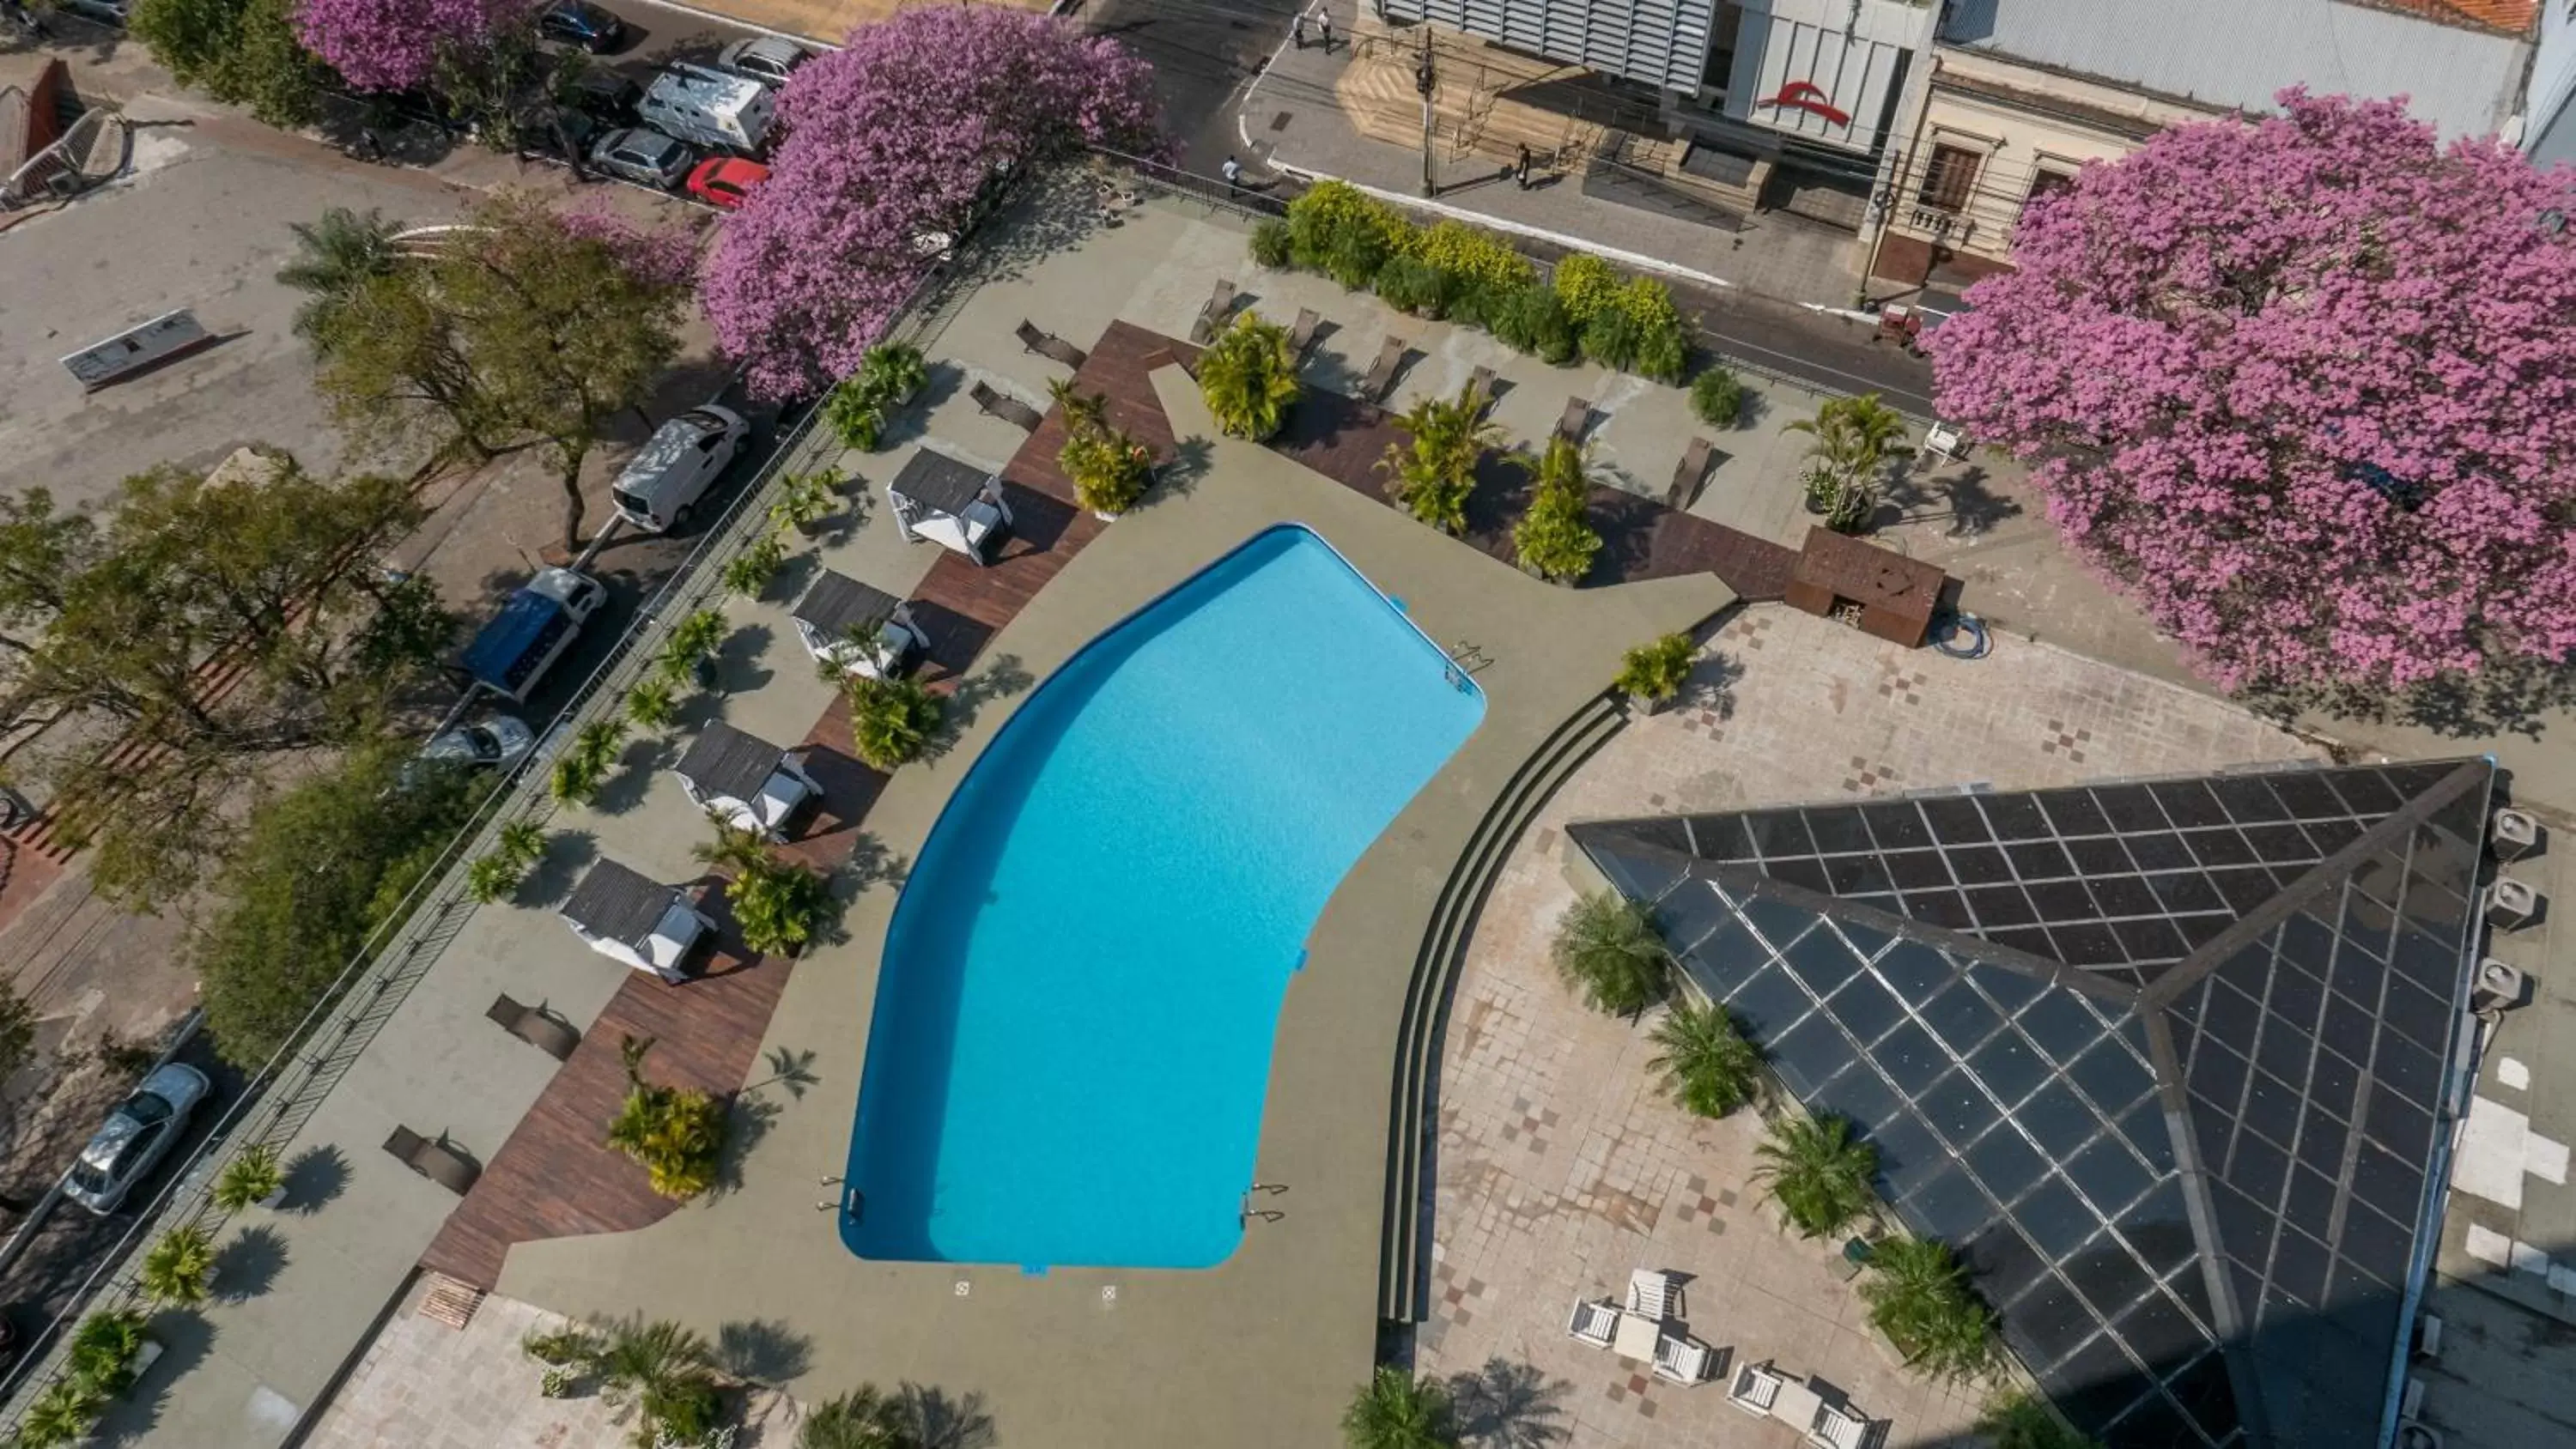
(1073, 1021)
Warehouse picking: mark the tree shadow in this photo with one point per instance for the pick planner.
(249, 1264)
(567, 854)
(1962, 496)
(790, 1070)
(763, 1351)
(942, 1422)
(187, 1340)
(1181, 473)
(748, 1119)
(1508, 1405)
(314, 1179)
(738, 666)
(2511, 696)
(1711, 685)
(999, 677)
(873, 863)
(638, 763)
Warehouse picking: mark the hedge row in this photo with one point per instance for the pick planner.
(1456, 272)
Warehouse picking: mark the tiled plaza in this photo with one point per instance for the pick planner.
(1560, 1168)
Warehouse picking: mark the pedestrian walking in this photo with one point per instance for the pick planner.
(1324, 23)
(1520, 168)
(1297, 30)
(1232, 171)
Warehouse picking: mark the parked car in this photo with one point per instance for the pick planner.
(726, 180)
(662, 483)
(710, 108)
(767, 59)
(535, 626)
(606, 94)
(140, 1132)
(578, 22)
(493, 743)
(107, 12)
(643, 155)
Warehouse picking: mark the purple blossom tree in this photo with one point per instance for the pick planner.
(890, 141)
(393, 45)
(2303, 386)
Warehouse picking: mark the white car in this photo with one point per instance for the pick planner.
(660, 486)
(140, 1132)
(494, 743)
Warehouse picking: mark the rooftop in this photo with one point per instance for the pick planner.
(729, 763)
(618, 902)
(837, 603)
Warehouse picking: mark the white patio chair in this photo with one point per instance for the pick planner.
(1944, 442)
(1836, 1429)
(1755, 1390)
(1653, 1292)
(1593, 1321)
(1681, 1359)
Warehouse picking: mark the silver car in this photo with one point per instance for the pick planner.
(495, 743)
(644, 155)
(140, 1132)
(765, 58)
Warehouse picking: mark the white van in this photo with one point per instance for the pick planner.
(661, 484)
(709, 107)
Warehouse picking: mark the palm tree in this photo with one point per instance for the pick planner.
(1851, 437)
(1606, 948)
(1082, 410)
(1918, 1295)
(1708, 1066)
(645, 1364)
(1436, 472)
(1397, 1411)
(583, 768)
(1249, 378)
(180, 1268)
(1818, 1173)
(863, 1418)
(891, 720)
(1553, 540)
(736, 850)
(335, 256)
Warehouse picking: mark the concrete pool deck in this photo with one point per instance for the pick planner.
(1266, 1348)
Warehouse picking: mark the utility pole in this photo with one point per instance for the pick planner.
(1425, 81)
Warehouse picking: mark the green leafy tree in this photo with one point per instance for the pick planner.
(1850, 440)
(1656, 670)
(1606, 949)
(1552, 538)
(251, 1177)
(241, 52)
(319, 868)
(676, 1133)
(1395, 1410)
(863, 1418)
(1919, 1296)
(109, 620)
(778, 905)
(892, 721)
(1434, 471)
(2015, 1419)
(1717, 395)
(179, 1269)
(1249, 378)
(1708, 1065)
(584, 767)
(1818, 1172)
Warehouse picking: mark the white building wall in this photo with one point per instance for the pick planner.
(1825, 70)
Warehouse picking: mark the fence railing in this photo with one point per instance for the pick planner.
(1162, 176)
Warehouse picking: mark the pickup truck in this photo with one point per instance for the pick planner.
(535, 626)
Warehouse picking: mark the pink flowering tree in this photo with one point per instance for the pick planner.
(889, 142)
(394, 45)
(2305, 387)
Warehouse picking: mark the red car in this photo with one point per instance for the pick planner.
(725, 181)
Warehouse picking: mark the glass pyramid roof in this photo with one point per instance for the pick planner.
(2164, 1061)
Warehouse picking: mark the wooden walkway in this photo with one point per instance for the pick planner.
(554, 1177)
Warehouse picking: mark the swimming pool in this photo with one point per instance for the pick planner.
(1074, 1014)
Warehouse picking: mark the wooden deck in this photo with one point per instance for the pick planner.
(554, 1177)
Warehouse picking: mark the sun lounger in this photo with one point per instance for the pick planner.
(434, 1160)
(1381, 373)
(1756, 1389)
(1681, 1359)
(532, 1025)
(1593, 1322)
(1213, 313)
(1836, 1429)
(1652, 1292)
(1577, 416)
(1008, 409)
(1048, 345)
(1687, 477)
(1302, 336)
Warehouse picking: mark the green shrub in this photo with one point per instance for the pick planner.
(749, 572)
(63, 1414)
(1717, 395)
(1611, 338)
(1478, 260)
(1109, 469)
(858, 409)
(696, 637)
(1271, 244)
(1663, 354)
(855, 418)
(891, 720)
(1336, 228)
(1533, 319)
(1248, 378)
(1818, 1171)
(1708, 1065)
(580, 770)
(1552, 539)
(1656, 670)
(104, 1348)
(1606, 950)
(653, 703)
(1411, 285)
(179, 1270)
(779, 905)
(1919, 1296)
(250, 1177)
(1587, 286)
(806, 499)
(1433, 472)
(676, 1133)
(499, 871)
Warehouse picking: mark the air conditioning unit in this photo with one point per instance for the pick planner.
(2428, 1329)
(2498, 988)
(2510, 904)
(2512, 835)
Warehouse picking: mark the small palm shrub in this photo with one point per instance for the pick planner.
(859, 409)
(571, 1347)
(676, 1133)
(1919, 1296)
(1395, 1410)
(63, 1414)
(1708, 1065)
(1850, 440)
(694, 639)
(1434, 470)
(663, 1371)
(1818, 1172)
(179, 1270)
(748, 573)
(1270, 244)
(103, 1350)
(1414, 286)
(864, 1418)
(805, 499)
(1552, 538)
(2016, 1420)
(777, 904)
(1717, 395)
(1607, 951)
(253, 1176)
(498, 872)
(1657, 670)
(1109, 469)
(892, 721)
(653, 702)
(1531, 318)
(1248, 378)
(582, 768)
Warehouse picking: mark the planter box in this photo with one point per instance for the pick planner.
(146, 1356)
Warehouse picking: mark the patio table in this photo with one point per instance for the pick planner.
(1636, 1337)
(1796, 1405)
